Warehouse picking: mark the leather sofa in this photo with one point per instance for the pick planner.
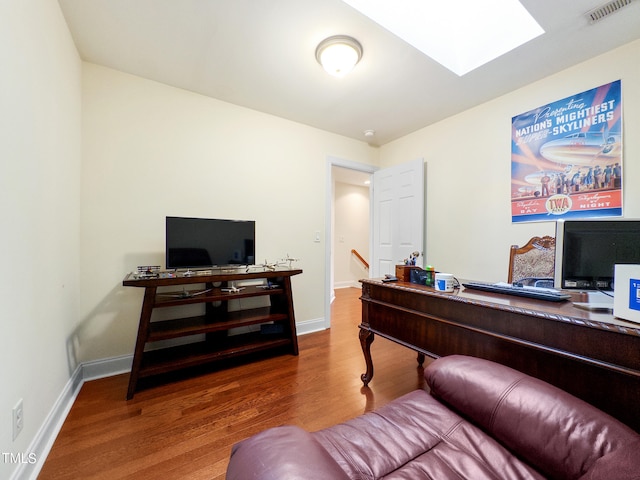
(481, 420)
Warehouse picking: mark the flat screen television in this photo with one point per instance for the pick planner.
(208, 242)
(588, 250)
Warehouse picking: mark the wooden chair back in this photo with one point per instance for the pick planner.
(535, 260)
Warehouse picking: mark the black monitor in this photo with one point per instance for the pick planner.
(207, 242)
(588, 250)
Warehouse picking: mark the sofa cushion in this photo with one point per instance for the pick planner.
(282, 453)
(415, 436)
(560, 434)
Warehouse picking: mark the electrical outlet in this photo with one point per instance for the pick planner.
(18, 419)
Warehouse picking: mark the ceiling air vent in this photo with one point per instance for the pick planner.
(605, 10)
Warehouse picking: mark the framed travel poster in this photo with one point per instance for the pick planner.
(566, 158)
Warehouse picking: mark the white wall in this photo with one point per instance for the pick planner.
(40, 148)
(351, 231)
(150, 150)
(468, 162)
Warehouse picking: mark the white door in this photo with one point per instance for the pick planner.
(397, 216)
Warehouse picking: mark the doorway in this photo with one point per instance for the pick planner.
(396, 217)
(351, 227)
(345, 230)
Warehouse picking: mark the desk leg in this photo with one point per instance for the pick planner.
(366, 339)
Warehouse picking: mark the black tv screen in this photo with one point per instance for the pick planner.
(588, 250)
(207, 242)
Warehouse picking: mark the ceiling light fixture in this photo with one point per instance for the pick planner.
(339, 54)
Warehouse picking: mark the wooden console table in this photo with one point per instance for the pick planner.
(277, 321)
(593, 356)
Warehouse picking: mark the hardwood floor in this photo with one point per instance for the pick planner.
(185, 428)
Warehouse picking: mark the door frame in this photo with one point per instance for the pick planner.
(328, 224)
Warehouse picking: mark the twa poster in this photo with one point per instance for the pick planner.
(566, 158)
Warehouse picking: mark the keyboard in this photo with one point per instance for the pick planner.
(539, 293)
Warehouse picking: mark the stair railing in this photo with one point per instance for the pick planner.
(359, 257)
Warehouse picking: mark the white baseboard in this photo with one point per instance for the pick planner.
(310, 326)
(46, 435)
(106, 368)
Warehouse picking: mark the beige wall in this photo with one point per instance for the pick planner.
(40, 141)
(468, 163)
(150, 150)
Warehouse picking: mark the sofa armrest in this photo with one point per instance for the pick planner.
(282, 453)
(554, 431)
(621, 464)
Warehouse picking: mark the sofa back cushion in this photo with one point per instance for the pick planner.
(554, 431)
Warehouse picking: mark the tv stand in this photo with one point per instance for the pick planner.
(277, 321)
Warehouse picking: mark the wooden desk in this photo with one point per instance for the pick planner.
(593, 356)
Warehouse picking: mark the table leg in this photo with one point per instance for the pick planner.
(143, 333)
(420, 359)
(366, 339)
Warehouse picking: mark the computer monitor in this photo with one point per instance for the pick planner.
(588, 250)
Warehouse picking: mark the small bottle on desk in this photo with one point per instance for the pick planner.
(430, 279)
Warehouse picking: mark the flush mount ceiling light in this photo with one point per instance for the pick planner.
(339, 54)
(461, 35)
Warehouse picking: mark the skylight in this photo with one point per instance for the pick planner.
(460, 35)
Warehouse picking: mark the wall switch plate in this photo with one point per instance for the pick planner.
(18, 419)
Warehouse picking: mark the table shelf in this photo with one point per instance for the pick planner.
(174, 298)
(166, 329)
(157, 362)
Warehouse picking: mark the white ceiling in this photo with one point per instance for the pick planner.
(260, 54)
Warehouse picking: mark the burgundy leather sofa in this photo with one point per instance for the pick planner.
(481, 421)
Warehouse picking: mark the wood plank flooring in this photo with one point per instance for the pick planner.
(184, 429)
